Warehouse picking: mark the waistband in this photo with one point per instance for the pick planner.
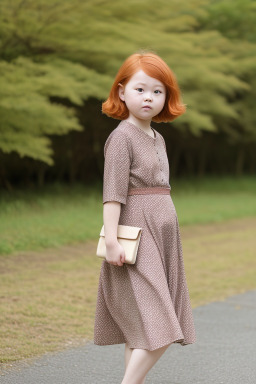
(149, 191)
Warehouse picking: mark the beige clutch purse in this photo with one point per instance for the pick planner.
(128, 237)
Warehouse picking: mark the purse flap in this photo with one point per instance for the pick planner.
(125, 232)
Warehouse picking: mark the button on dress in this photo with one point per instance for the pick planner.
(145, 304)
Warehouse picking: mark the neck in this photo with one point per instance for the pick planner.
(143, 124)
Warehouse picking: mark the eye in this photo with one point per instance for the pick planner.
(139, 89)
(158, 91)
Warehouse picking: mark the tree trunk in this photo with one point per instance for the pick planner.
(189, 163)
(202, 161)
(240, 161)
(252, 157)
(175, 160)
(41, 175)
(4, 181)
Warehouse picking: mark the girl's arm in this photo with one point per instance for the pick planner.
(114, 251)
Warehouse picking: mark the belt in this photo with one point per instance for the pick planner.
(149, 191)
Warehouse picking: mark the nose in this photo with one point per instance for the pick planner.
(148, 97)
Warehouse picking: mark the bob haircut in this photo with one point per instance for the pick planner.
(154, 67)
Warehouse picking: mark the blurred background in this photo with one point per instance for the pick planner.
(58, 60)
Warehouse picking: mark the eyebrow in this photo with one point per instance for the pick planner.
(158, 85)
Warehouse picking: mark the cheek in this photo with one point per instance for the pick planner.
(131, 102)
(161, 101)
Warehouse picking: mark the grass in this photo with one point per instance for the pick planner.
(54, 216)
(214, 200)
(47, 302)
(220, 259)
(59, 215)
(48, 298)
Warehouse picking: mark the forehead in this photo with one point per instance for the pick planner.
(141, 77)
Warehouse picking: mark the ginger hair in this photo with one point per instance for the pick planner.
(154, 67)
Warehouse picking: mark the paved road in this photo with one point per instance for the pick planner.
(225, 352)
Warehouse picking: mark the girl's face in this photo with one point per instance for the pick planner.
(143, 95)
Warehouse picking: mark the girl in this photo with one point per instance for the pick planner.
(144, 305)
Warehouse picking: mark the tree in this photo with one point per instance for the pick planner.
(56, 55)
(33, 75)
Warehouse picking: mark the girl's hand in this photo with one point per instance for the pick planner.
(115, 254)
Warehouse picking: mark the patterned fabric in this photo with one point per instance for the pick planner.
(149, 191)
(145, 305)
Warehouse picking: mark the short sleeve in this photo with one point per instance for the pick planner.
(116, 167)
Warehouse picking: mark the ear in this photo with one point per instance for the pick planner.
(121, 91)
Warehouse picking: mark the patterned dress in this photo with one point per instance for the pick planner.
(145, 304)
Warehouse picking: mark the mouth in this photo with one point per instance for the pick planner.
(147, 107)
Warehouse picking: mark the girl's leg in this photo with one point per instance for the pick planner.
(127, 354)
(141, 361)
